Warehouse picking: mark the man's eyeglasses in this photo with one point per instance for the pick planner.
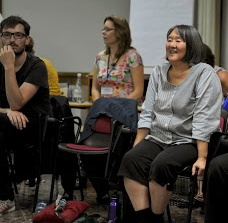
(16, 35)
(106, 29)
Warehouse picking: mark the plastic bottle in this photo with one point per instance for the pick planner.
(225, 104)
(77, 91)
(62, 204)
(40, 206)
(114, 209)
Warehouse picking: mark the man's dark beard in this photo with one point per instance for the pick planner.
(17, 54)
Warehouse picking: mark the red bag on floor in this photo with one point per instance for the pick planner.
(71, 212)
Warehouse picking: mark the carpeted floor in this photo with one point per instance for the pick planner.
(24, 201)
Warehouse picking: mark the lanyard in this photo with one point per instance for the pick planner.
(113, 66)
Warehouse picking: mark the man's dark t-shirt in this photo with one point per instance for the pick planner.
(34, 72)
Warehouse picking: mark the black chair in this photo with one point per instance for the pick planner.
(51, 130)
(124, 140)
(61, 123)
(67, 129)
(49, 133)
(49, 137)
(100, 137)
(43, 121)
(185, 200)
(218, 146)
(35, 171)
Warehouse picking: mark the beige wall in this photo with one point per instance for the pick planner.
(224, 35)
(68, 33)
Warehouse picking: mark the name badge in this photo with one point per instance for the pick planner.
(106, 90)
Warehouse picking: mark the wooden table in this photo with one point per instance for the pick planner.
(87, 105)
(84, 105)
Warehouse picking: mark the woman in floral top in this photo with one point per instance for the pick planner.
(118, 70)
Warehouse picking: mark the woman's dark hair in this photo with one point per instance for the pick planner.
(209, 57)
(123, 34)
(12, 21)
(194, 45)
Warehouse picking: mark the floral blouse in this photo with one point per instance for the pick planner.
(117, 78)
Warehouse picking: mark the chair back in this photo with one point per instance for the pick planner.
(123, 110)
(59, 128)
(103, 124)
(123, 139)
(101, 135)
(61, 109)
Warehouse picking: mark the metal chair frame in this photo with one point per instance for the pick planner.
(42, 124)
(115, 132)
(191, 195)
(77, 121)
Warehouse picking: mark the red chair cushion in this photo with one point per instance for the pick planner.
(71, 212)
(103, 124)
(85, 147)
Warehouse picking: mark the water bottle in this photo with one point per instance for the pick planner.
(40, 206)
(62, 204)
(225, 104)
(77, 91)
(114, 209)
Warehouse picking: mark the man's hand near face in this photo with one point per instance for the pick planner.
(7, 57)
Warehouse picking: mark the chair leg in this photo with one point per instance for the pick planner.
(168, 214)
(36, 193)
(55, 155)
(52, 182)
(80, 179)
(191, 199)
(42, 131)
(13, 174)
(15, 186)
(38, 182)
(53, 175)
